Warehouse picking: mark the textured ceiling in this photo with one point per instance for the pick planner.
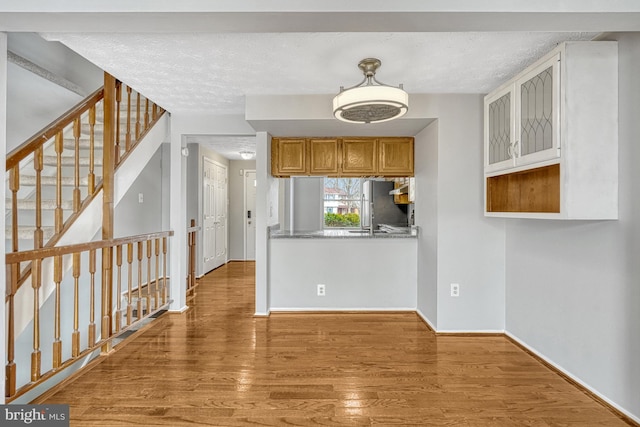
(213, 72)
(228, 146)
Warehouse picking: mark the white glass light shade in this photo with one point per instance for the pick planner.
(370, 104)
(247, 155)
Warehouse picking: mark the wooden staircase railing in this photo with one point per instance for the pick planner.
(40, 168)
(142, 297)
(192, 282)
(48, 190)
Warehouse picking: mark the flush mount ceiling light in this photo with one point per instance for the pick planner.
(370, 101)
(247, 155)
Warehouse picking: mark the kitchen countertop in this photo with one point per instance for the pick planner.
(341, 234)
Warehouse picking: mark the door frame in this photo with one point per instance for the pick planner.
(244, 209)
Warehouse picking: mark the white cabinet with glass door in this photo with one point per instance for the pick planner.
(551, 137)
(522, 118)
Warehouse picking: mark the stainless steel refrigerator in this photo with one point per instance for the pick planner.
(378, 206)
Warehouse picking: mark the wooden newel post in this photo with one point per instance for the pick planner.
(108, 166)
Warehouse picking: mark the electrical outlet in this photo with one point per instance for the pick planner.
(321, 292)
(455, 290)
(140, 198)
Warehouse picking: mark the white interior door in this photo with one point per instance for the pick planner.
(208, 216)
(250, 215)
(220, 213)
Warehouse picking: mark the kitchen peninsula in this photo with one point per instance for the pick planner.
(360, 271)
(409, 232)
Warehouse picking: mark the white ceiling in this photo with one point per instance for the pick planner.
(207, 57)
(212, 73)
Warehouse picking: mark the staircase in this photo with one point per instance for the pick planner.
(59, 183)
(76, 173)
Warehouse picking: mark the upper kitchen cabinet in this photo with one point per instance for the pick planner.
(342, 157)
(359, 157)
(323, 156)
(551, 137)
(396, 156)
(288, 157)
(521, 118)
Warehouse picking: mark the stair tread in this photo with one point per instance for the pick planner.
(70, 161)
(25, 232)
(47, 204)
(67, 181)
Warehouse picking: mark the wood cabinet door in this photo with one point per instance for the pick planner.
(359, 157)
(288, 157)
(395, 156)
(323, 156)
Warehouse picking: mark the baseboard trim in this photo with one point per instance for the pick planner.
(619, 412)
(333, 310)
(180, 310)
(267, 314)
(481, 333)
(426, 320)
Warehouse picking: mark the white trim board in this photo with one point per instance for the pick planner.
(573, 378)
(346, 310)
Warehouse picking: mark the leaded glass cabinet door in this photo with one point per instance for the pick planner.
(538, 110)
(499, 116)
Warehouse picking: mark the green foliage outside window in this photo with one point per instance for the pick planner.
(341, 220)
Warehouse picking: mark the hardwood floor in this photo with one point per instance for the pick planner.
(217, 365)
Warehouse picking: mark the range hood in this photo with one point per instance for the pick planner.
(403, 189)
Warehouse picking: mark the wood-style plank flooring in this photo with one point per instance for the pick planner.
(217, 365)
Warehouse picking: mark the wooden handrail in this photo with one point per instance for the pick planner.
(15, 257)
(45, 134)
(67, 296)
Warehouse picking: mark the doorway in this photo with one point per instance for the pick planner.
(249, 215)
(214, 212)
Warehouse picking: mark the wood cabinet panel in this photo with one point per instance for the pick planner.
(288, 156)
(395, 156)
(531, 191)
(347, 156)
(359, 157)
(323, 156)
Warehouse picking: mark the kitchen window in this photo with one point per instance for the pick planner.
(342, 202)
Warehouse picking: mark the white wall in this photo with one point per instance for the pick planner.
(236, 207)
(267, 202)
(132, 217)
(3, 150)
(470, 246)
(426, 218)
(307, 198)
(458, 242)
(359, 274)
(35, 101)
(572, 287)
